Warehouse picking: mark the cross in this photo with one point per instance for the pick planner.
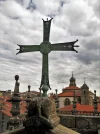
(45, 48)
(84, 80)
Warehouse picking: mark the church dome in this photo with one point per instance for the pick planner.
(72, 81)
(84, 86)
(72, 78)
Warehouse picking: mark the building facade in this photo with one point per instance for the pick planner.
(82, 94)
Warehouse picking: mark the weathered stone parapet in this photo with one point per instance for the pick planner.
(83, 124)
(42, 119)
(59, 129)
(98, 129)
(16, 131)
(42, 110)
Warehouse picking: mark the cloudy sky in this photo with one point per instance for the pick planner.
(21, 23)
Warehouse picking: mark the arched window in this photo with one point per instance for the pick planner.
(67, 102)
(79, 99)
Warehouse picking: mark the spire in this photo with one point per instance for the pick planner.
(95, 103)
(15, 110)
(84, 80)
(72, 81)
(84, 86)
(72, 73)
(57, 101)
(28, 98)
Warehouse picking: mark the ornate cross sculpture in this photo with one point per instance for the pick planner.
(45, 48)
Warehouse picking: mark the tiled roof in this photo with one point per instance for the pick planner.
(99, 107)
(7, 112)
(91, 92)
(68, 94)
(7, 107)
(72, 88)
(79, 107)
(33, 92)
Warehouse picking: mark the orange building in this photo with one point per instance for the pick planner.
(83, 95)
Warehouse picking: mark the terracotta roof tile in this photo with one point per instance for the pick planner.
(68, 94)
(72, 88)
(8, 105)
(7, 112)
(79, 107)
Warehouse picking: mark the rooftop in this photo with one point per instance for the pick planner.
(6, 107)
(72, 88)
(68, 94)
(79, 107)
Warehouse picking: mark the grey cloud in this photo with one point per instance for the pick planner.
(87, 57)
(97, 8)
(93, 25)
(93, 43)
(21, 26)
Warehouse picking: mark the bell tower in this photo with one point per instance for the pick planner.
(85, 94)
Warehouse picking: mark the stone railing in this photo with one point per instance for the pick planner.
(81, 123)
(98, 129)
(78, 113)
(15, 131)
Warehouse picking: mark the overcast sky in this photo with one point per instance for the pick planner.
(21, 23)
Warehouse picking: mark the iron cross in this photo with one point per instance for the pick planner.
(45, 48)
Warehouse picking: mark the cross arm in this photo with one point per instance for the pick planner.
(68, 46)
(46, 29)
(28, 48)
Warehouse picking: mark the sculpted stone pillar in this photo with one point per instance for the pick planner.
(15, 110)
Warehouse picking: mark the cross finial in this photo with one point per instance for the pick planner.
(72, 73)
(84, 80)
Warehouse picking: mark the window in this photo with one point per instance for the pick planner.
(67, 102)
(84, 92)
(79, 99)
